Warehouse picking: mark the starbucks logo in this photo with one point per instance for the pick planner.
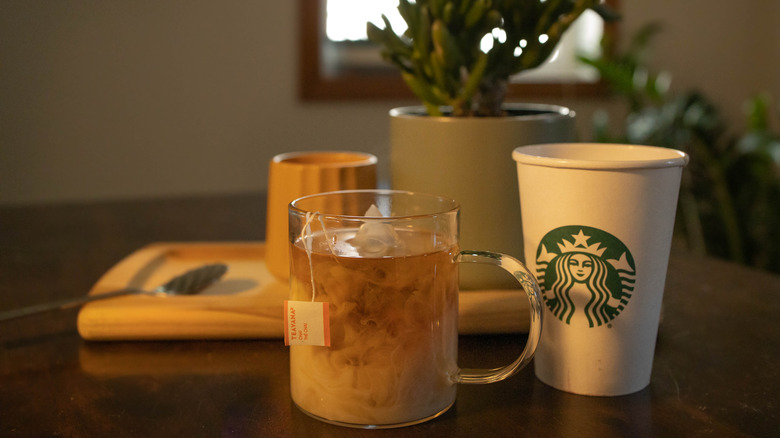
(587, 275)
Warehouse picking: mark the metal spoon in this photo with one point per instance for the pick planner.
(189, 283)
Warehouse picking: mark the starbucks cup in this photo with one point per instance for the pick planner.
(597, 224)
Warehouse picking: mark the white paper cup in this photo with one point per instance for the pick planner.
(597, 222)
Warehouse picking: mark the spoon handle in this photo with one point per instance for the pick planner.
(62, 304)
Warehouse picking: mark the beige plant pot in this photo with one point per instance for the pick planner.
(470, 160)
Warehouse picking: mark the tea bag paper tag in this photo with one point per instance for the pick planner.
(306, 323)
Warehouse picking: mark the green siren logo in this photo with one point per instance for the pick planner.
(587, 275)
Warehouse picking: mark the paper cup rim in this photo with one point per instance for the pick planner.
(607, 156)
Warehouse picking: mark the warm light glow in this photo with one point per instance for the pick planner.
(486, 43)
(499, 34)
(488, 40)
(346, 19)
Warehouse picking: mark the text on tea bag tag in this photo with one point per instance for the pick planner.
(306, 323)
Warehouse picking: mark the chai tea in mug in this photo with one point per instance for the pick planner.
(393, 327)
(385, 266)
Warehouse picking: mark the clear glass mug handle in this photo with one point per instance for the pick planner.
(531, 288)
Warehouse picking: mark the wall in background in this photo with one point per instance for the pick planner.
(112, 99)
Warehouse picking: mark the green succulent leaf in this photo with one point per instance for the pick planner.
(445, 45)
(422, 89)
(475, 78)
(437, 8)
(448, 13)
(476, 12)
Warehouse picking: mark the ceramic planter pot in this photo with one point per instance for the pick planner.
(470, 160)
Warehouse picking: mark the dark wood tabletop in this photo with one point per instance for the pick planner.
(716, 370)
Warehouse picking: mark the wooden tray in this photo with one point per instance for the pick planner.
(247, 303)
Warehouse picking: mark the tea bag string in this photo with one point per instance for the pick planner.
(307, 239)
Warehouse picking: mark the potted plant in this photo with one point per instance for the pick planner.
(459, 144)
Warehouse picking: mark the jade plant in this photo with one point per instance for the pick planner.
(441, 58)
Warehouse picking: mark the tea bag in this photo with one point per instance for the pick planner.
(374, 238)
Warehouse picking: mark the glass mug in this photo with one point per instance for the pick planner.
(386, 262)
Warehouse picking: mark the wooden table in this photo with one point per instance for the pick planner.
(716, 370)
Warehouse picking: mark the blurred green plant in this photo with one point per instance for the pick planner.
(754, 180)
(440, 55)
(730, 193)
